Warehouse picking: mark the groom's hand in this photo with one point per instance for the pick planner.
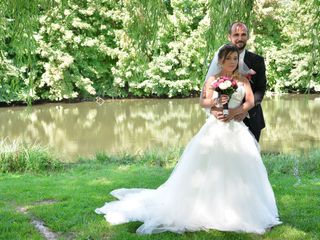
(217, 112)
(230, 116)
(241, 116)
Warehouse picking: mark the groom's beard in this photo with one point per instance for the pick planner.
(242, 47)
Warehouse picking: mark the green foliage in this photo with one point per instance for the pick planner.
(290, 41)
(77, 49)
(123, 158)
(18, 61)
(293, 164)
(276, 164)
(145, 19)
(60, 49)
(150, 157)
(222, 14)
(18, 157)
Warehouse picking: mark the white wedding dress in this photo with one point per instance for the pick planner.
(220, 183)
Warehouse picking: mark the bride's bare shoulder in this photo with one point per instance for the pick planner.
(211, 80)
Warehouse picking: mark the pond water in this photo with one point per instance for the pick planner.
(82, 129)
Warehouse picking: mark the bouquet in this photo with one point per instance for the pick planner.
(227, 86)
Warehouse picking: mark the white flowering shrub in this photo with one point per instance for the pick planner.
(71, 49)
(172, 63)
(287, 35)
(77, 49)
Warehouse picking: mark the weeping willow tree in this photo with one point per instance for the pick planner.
(222, 14)
(18, 60)
(70, 49)
(316, 52)
(177, 39)
(146, 17)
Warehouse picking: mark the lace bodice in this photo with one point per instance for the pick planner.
(235, 100)
(237, 97)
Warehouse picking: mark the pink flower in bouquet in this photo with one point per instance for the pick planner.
(225, 85)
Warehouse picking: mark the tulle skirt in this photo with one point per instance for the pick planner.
(219, 183)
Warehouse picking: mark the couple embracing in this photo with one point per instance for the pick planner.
(252, 66)
(220, 181)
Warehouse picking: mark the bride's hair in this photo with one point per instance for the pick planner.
(224, 52)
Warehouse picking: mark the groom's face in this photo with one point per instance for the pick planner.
(239, 36)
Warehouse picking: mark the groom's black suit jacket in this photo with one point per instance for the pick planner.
(258, 84)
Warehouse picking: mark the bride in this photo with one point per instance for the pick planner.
(219, 182)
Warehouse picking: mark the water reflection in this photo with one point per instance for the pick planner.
(292, 123)
(134, 125)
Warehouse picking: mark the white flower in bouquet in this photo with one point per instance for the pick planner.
(228, 83)
(225, 85)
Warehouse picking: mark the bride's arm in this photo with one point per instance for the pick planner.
(206, 100)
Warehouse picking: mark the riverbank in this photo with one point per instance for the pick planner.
(101, 100)
(64, 198)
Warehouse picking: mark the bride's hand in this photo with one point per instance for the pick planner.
(223, 99)
(217, 112)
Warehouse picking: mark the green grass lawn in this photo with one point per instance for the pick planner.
(77, 189)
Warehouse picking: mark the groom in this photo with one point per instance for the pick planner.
(238, 36)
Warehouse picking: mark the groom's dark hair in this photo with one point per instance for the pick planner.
(238, 23)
